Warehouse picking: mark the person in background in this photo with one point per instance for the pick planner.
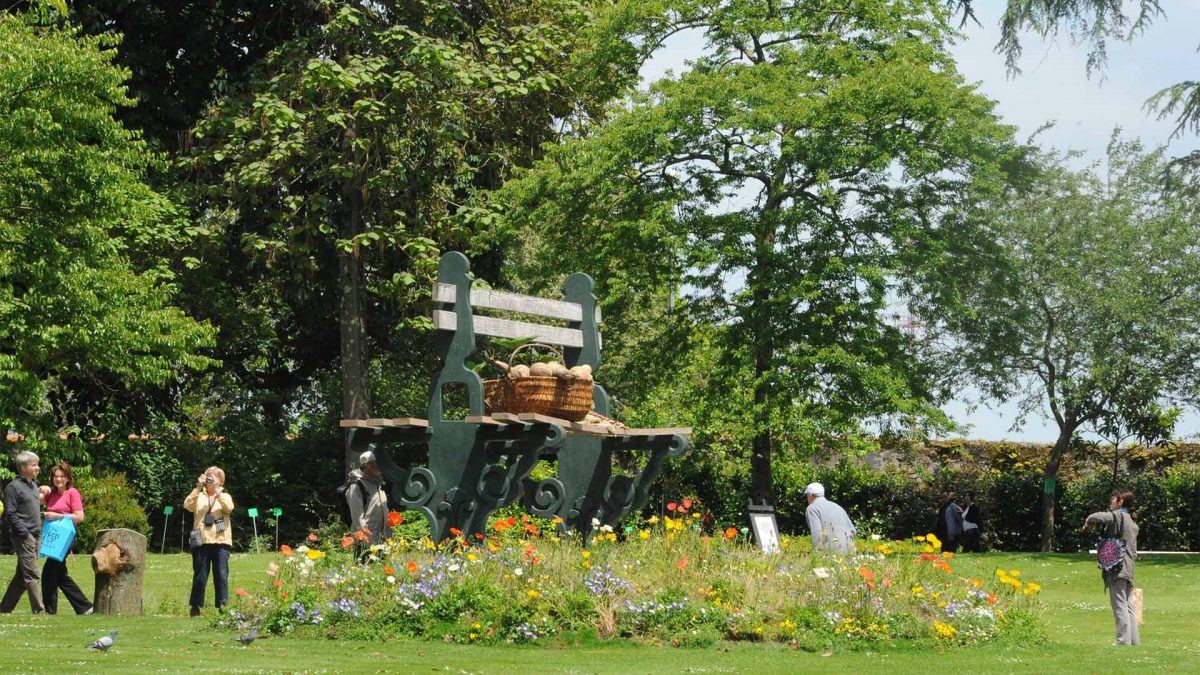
(1120, 522)
(62, 501)
(832, 529)
(212, 507)
(972, 524)
(367, 499)
(949, 524)
(22, 510)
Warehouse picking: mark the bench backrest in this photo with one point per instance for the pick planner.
(456, 325)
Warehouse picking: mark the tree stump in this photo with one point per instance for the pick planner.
(119, 561)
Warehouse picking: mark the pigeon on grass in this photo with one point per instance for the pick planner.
(105, 642)
(247, 638)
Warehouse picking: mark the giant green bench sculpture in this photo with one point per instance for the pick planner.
(483, 462)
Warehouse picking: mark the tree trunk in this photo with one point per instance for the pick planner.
(356, 390)
(762, 480)
(119, 561)
(1050, 473)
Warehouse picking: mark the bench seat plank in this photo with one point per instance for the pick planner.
(383, 422)
(513, 302)
(486, 325)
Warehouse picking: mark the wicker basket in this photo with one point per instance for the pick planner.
(569, 400)
(566, 399)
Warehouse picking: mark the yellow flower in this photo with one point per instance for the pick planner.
(1015, 573)
(758, 630)
(314, 554)
(644, 534)
(653, 520)
(476, 626)
(471, 556)
(532, 593)
(933, 541)
(472, 636)
(587, 554)
(787, 625)
(944, 630)
(695, 515)
(1031, 588)
(917, 590)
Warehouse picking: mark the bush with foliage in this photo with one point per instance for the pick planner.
(108, 502)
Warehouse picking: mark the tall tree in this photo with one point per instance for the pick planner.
(1091, 309)
(785, 185)
(1095, 22)
(74, 210)
(345, 164)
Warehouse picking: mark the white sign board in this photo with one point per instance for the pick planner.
(766, 533)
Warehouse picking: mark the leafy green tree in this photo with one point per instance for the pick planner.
(1095, 22)
(1091, 308)
(75, 212)
(786, 189)
(343, 169)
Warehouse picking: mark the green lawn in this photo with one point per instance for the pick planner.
(165, 640)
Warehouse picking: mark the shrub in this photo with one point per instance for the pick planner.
(108, 502)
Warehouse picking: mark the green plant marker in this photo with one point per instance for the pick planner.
(253, 513)
(1048, 486)
(277, 511)
(168, 510)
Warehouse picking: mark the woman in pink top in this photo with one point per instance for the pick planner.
(62, 501)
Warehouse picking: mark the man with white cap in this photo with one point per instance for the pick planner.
(367, 499)
(832, 531)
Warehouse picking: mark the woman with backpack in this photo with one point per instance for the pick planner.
(1115, 556)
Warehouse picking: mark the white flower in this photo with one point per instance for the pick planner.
(821, 572)
(453, 568)
(301, 549)
(595, 522)
(875, 537)
(606, 528)
(391, 579)
(518, 572)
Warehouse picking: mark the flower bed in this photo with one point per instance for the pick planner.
(662, 581)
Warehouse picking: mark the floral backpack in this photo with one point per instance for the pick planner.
(1110, 551)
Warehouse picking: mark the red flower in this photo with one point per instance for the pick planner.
(241, 593)
(412, 567)
(866, 574)
(531, 528)
(731, 532)
(312, 536)
(687, 503)
(283, 596)
(672, 506)
(394, 518)
(285, 549)
(347, 542)
(683, 561)
(277, 583)
(388, 569)
(454, 531)
(479, 536)
(363, 534)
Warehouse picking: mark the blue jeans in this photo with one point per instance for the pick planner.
(215, 556)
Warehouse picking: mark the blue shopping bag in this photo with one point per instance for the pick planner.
(57, 537)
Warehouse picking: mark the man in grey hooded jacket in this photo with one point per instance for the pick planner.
(367, 499)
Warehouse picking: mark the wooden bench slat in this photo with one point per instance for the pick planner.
(486, 325)
(513, 302)
(377, 422)
(667, 431)
(484, 420)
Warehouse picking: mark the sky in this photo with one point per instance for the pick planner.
(1054, 86)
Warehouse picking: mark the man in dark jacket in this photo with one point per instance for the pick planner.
(972, 524)
(949, 525)
(24, 517)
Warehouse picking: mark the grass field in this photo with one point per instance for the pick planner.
(165, 640)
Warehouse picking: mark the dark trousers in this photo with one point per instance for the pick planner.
(54, 577)
(215, 556)
(950, 545)
(25, 578)
(970, 541)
